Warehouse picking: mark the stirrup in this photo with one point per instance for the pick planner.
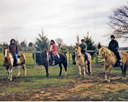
(120, 63)
(53, 63)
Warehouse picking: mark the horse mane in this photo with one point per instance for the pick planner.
(44, 53)
(106, 50)
(78, 47)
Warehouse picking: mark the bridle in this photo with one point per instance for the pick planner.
(78, 55)
(106, 56)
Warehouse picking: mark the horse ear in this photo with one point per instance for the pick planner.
(76, 47)
(45, 51)
(5, 47)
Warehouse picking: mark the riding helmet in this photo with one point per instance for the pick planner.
(112, 36)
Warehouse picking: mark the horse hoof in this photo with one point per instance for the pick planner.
(121, 77)
(90, 73)
(10, 80)
(84, 76)
(108, 81)
(65, 73)
(79, 75)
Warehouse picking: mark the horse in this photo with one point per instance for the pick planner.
(82, 61)
(110, 61)
(9, 63)
(46, 61)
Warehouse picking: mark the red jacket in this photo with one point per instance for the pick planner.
(54, 49)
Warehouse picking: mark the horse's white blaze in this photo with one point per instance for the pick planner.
(5, 53)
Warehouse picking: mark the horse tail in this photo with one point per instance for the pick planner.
(126, 66)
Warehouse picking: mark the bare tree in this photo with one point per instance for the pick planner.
(119, 21)
(59, 41)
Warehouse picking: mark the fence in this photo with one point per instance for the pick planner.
(69, 53)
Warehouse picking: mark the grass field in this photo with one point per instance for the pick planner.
(35, 86)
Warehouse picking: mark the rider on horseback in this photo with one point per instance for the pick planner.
(13, 49)
(84, 49)
(52, 50)
(114, 46)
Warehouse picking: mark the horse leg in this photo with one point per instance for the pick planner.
(83, 67)
(79, 69)
(46, 68)
(65, 67)
(90, 65)
(11, 74)
(122, 70)
(8, 74)
(105, 68)
(125, 69)
(18, 71)
(60, 69)
(88, 68)
(24, 68)
(110, 70)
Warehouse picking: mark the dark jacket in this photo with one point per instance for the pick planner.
(13, 48)
(83, 47)
(113, 46)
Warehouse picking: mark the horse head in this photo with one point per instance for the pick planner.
(104, 52)
(6, 52)
(78, 51)
(44, 56)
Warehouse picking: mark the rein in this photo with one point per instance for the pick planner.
(108, 55)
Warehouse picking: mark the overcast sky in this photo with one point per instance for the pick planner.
(24, 19)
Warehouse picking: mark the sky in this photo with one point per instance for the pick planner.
(65, 19)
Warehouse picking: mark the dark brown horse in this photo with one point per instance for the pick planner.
(46, 61)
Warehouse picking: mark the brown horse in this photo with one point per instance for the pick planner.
(110, 61)
(82, 61)
(9, 62)
(46, 61)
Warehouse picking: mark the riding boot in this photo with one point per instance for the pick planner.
(88, 62)
(118, 58)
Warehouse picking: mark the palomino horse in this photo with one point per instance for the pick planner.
(9, 63)
(110, 61)
(82, 61)
(46, 61)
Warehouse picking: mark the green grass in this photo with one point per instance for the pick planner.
(35, 76)
(36, 79)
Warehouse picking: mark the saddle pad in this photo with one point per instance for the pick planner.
(121, 56)
(58, 55)
(19, 55)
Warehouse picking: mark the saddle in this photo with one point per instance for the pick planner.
(57, 59)
(118, 62)
(18, 55)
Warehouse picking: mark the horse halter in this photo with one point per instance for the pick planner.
(106, 56)
(78, 55)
